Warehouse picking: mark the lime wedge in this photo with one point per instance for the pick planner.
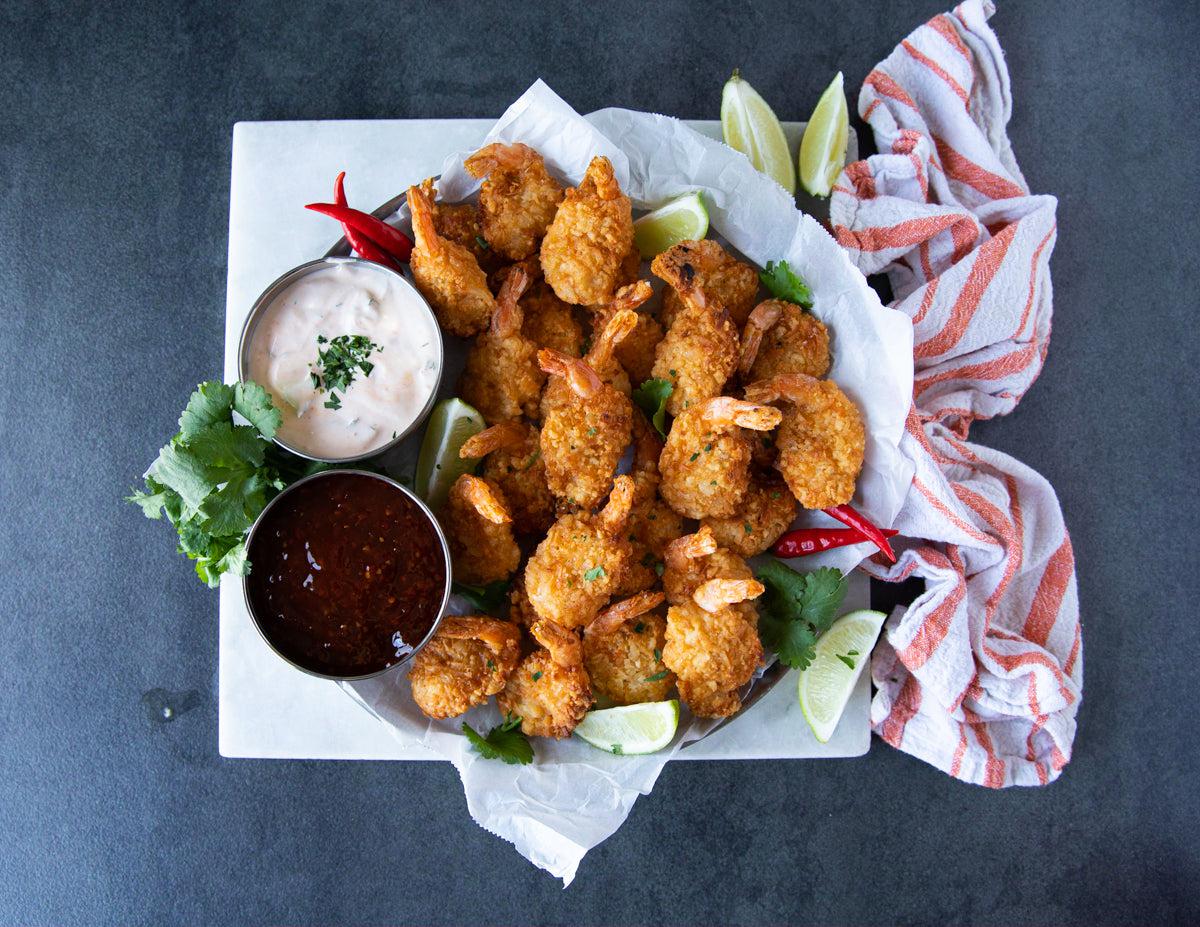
(631, 729)
(682, 219)
(452, 422)
(823, 148)
(842, 652)
(751, 127)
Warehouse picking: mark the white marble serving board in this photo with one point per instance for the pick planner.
(266, 708)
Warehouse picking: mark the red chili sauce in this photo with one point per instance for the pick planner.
(347, 575)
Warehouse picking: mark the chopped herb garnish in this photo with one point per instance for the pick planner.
(591, 432)
(504, 742)
(657, 655)
(482, 242)
(491, 665)
(708, 448)
(775, 494)
(533, 458)
(338, 364)
(846, 658)
(651, 397)
(536, 676)
(333, 402)
(749, 529)
(797, 609)
(712, 482)
(657, 676)
(639, 627)
(659, 567)
(694, 457)
(783, 283)
(617, 751)
(594, 574)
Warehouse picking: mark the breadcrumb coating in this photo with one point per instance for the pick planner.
(779, 338)
(479, 532)
(766, 511)
(549, 690)
(468, 659)
(622, 650)
(512, 463)
(518, 199)
(732, 283)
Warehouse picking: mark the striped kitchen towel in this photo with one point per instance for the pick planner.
(982, 675)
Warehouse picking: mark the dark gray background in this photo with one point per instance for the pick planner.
(114, 165)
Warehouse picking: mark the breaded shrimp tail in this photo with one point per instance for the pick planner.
(612, 517)
(507, 319)
(577, 373)
(479, 496)
(624, 611)
(715, 594)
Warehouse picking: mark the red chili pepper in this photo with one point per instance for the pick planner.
(848, 516)
(362, 245)
(804, 541)
(390, 239)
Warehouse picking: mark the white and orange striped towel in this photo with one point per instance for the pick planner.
(982, 675)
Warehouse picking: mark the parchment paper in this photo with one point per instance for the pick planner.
(573, 796)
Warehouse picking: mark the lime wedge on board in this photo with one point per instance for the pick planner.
(842, 652)
(823, 148)
(682, 219)
(631, 729)
(751, 127)
(450, 425)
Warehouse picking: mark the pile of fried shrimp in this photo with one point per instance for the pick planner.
(637, 584)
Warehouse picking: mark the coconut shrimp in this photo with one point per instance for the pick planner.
(590, 237)
(618, 326)
(502, 378)
(710, 648)
(699, 352)
(585, 429)
(549, 322)
(764, 514)
(469, 658)
(622, 651)
(479, 532)
(447, 274)
(732, 283)
(780, 337)
(581, 561)
(519, 609)
(705, 465)
(821, 440)
(513, 464)
(549, 690)
(518, 199)
(652, 523)
(694, 559)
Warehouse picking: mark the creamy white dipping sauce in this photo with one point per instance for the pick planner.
(346, 299)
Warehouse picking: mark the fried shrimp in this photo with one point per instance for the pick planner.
(447, 274)
(699, 352)
(622, 650)
(502, 378)
(652, 523)
(588, 240)
(711, 648)
(764, 514)
(581, 561)
(618, 326)
(518, 199)
(479, 532)
(551, 323)
(635, 351)
(732, 283)
(705, 465)
(693, 560)
(585, 429)
(549, 690)
(821, 440)
(780, 337)
(513, 464)
(469, 658)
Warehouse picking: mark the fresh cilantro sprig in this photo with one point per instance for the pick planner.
(651, 398)
(784, 284)
(504, 742)
(487, 598)
(215, 476)
(797, 609)
(338, 364)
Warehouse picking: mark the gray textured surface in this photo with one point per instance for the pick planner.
(114, 166)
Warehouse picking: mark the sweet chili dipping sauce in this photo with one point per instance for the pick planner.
(347, 575)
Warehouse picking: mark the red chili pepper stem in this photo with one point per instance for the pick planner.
(390, 239)
(359, 243)
(804, 541)
(848, 516)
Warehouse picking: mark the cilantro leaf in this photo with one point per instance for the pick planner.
(594, 574)
(783, 283)
(233, 508)
(651, 397)
(154, 502)
(181, 469)
(797, 609)
(488, 598)
(254, 404)
(227, 446)
(504, 742)
(208, 405)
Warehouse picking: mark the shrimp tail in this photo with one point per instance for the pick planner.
(783, 386)
(761, 320)
(724, 410)
(420, 204)
(508, 434)
(482, 497)
(498, 636)
(617, 328)
(601, 179)
(564, 646)
(689, 547)
(578, 373)
(616, 511)
(498, 155)
(715, 594)
(507, 319)
(616, 615)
